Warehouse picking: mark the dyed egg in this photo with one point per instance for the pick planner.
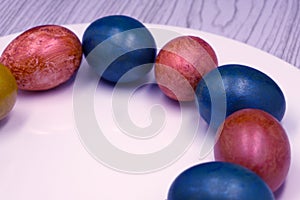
(119, 48)
(256, 140)
(180, 65)
(8, 91)
(43, 57)
(219, 180)
(233, 87)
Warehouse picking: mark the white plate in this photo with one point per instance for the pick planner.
(42, 156)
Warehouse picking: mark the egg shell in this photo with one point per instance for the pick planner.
(255, 139)
(180, 65)
(119, 48)
(219, 180)
(233, 87)
(8, 91)
(43, 57)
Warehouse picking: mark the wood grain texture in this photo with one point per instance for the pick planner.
(270, 25)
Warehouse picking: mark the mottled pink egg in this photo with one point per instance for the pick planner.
(180, 65)
(43, 57)
(256, 140)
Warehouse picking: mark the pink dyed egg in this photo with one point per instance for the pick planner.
(180, 65)
(256, 140)
(43, 57)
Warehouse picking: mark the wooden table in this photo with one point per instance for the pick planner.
(270, 25)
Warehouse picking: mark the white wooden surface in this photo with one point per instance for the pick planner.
(270, 25)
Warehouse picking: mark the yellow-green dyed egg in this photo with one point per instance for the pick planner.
(8, 91)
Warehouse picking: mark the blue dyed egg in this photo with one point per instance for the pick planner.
(233, 87)
(119, 48)
(219, 180)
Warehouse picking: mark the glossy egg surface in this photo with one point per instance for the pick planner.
(255, 139)
(43, 57)
(242, 87)
(119, 48)
(180, 65)
(8, 91)
(219, 180)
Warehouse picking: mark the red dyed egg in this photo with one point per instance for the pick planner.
(43, 57)
(256, 140)
(180, 65)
